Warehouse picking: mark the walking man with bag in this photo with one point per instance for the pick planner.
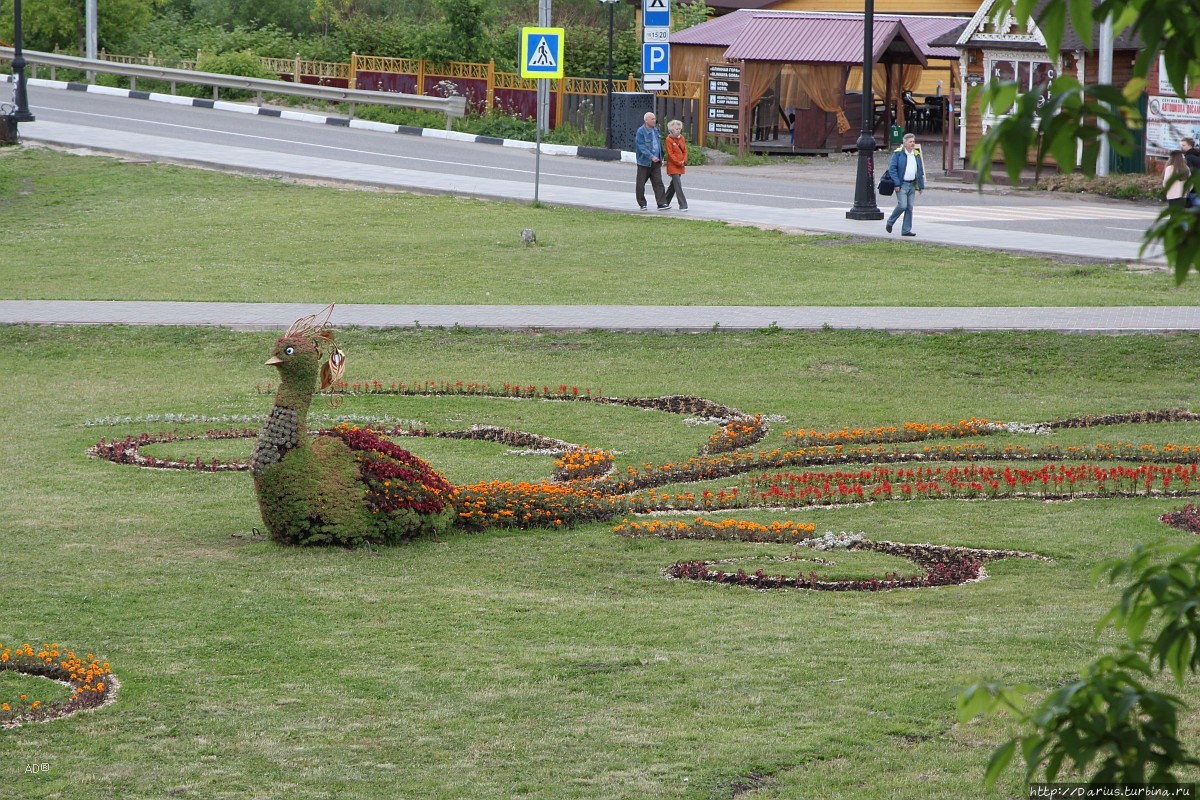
(648, 144)
(908, 173)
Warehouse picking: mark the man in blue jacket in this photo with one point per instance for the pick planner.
(908, 173)
(648, 144)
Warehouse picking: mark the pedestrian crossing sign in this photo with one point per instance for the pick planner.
(541, 52)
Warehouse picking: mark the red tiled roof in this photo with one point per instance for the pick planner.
(721, 31)
(837, 41)
(724, 31)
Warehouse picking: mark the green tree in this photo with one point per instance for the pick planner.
(47, 24)
(1110, 725)
(687, 15)
(292, 15)
(462, 36)
(1080, 115)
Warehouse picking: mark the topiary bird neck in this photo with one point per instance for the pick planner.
(296, 388)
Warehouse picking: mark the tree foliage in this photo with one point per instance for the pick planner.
(47, 24)
(1110, 725)
(1076, 116)
(687, 15)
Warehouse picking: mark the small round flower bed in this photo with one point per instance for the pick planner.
(1186, 518)
(91, 682)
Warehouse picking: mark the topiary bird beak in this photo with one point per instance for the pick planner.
(273, 360)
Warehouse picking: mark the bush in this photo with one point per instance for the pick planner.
(243, 63)
(411, 117)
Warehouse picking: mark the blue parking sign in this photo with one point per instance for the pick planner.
(656, 13)
(656, 58)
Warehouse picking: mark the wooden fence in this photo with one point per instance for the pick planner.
(577, 102)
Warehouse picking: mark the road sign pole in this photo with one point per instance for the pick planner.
(537, 149)
(543, 93)
(541, 60)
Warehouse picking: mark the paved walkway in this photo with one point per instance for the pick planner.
(278, 316)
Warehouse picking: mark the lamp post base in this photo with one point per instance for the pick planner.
(864, 207)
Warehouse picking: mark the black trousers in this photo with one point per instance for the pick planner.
(675, 190)
(653, 173)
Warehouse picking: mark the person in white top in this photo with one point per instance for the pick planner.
(908, 173)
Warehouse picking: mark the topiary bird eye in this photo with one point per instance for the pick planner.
(287, 351)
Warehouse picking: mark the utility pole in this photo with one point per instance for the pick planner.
(1105, 77)
(90, 35)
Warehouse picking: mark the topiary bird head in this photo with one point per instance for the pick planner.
(308, 359)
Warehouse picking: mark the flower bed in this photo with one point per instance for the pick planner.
(905, 432)
(736, 434)
(942, 565)
(503, 504)
(583, 463)
(851, 465)
(91, 681)
(726, 530)
(1186, 518)
(126, 451)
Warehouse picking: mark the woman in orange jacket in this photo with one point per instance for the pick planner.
(677, 156)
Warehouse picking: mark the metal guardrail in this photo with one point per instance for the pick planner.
(452, 107)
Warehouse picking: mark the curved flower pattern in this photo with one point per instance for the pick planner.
(91, 681)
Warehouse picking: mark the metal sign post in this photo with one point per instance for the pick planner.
(541, 58)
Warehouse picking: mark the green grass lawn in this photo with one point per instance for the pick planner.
(540, 664)
(85, 228)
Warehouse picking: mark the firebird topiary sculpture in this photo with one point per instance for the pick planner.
(345, 486)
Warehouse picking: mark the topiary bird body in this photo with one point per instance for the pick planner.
(345, 486)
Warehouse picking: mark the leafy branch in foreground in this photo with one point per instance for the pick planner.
(1066, 120)
(1110, 723)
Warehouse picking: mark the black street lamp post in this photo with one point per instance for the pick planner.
(608, 140)
(864, 188)
(20, 97)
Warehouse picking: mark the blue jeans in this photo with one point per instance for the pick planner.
(905, 194)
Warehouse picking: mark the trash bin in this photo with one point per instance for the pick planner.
(895, 134)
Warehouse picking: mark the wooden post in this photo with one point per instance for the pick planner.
(296, 71)
(352, 83)
(703, 105)
(491, 85)
(420, 77)
(561, 92)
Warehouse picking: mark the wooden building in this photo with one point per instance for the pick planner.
(990, 50)
(804, 69)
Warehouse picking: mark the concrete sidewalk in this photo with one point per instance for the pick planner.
(897, 319)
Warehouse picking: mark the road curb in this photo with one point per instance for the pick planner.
(596, 153)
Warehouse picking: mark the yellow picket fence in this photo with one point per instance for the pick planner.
(347, 73)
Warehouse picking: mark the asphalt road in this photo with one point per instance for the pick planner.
(811, 196)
